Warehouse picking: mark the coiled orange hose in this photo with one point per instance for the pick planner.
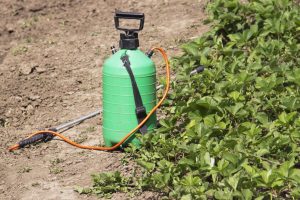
(165, 57)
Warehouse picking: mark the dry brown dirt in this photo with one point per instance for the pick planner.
(50, 72)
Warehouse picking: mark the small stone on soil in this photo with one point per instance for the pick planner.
(10, 28)
(46, 55)
(27, 69)
(36, 7)
(41, 70)
(34, 97)
(18, 98)
(13, 68)
(70, 93)
(30, 108)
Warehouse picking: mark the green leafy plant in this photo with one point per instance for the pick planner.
(54, 168)
(19, 50)
(105, 184)
(25, 170)
(232, 132)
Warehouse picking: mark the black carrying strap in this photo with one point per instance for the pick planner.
(140, 109)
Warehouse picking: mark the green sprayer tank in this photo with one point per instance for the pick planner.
(119, 97)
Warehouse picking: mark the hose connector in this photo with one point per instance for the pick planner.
(150, 53)
(113, 49)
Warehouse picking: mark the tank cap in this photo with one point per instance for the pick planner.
(129, 39)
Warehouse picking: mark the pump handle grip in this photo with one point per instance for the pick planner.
(129, 15)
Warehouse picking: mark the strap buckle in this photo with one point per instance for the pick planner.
(141, 114)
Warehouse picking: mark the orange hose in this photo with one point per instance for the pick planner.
(165, 57)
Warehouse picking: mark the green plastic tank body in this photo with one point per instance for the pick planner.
(119, 116)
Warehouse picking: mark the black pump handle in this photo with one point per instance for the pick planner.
(129, 15)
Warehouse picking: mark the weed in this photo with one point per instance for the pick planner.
(81, 139)
(35, 184)
(105, 184)
(25, 170)
(90, 129)
(28, 23)
(56, 161)
(55, 170)
(18, 50)
(28, 40)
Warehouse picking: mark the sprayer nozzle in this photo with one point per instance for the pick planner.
(197, 70)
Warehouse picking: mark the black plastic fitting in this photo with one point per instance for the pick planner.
(113, 49)
(150, 53)
(45, 137)
(197, 70)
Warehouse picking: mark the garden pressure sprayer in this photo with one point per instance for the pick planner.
(129, 93)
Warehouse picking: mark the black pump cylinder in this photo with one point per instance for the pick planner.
(129, 41)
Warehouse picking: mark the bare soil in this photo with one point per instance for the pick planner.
(51, 54)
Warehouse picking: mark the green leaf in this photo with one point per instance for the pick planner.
(294, 76)
(262, 117)
(230, 157)
(247, 194)
(234, 109)
(260, 197)
(233, 181)
(295, 175)
(191, 48)
(191, 124)
(285, 168)
(149, 166)
(250, 170)
(234, 95)
(262, 152)
(285, 118)
(186, 162)
(209, 160)
(296, 192)
(186, 197)
(80, 190)
(209, 121)
(291, 103)
(235, 37)
(223, 195)
(165, 123)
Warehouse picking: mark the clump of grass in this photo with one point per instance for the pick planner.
(54, 169)
(90, 129)
(35, 184)
(25, 170)
(18, 50)
(56, 161)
